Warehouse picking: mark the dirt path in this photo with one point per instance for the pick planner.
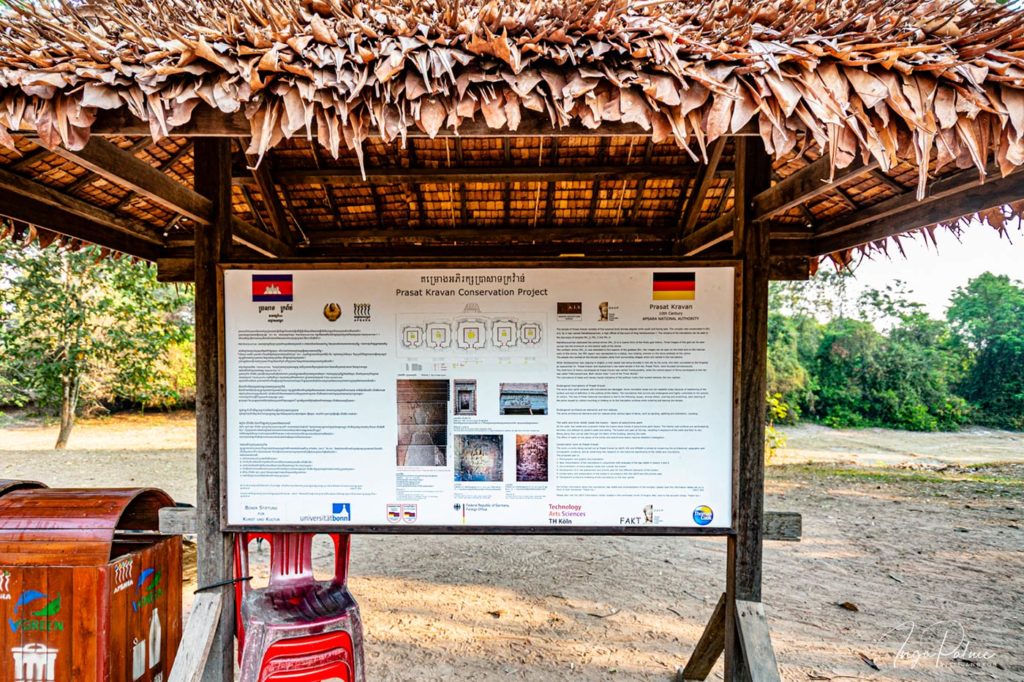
(921, 554)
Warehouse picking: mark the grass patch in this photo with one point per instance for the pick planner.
(987, 474)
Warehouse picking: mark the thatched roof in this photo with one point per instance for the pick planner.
(917, 90)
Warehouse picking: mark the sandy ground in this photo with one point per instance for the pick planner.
(928, 550)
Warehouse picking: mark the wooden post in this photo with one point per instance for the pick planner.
(750, 243)
(213, 181)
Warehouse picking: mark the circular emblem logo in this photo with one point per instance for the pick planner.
(332, 311)
(703, 515)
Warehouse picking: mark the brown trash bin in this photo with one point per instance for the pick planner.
(89, 589)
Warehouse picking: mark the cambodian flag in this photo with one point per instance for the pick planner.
(271, 288)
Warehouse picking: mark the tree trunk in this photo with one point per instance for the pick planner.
(68, 403)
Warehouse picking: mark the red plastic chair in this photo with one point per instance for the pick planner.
(297, 629)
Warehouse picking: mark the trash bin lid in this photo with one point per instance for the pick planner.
(73, 527)
(8, 485)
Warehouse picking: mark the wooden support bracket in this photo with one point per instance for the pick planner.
(755, 640)
(197, 639)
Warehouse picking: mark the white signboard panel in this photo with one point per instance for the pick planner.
(562, 399)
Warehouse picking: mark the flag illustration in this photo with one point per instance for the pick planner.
(674, 286)
(271, 288)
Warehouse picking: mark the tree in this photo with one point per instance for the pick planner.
(75, 323)
(988, 317)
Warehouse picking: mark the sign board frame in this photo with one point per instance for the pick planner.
(417, 529)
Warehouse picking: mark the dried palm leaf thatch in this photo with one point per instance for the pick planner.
(935, 82)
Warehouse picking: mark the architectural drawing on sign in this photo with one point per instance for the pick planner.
(412, 336)
(503, 333)
(34, 663)
(472, 334)
(422, 422)
(465, 397)
(523, 399)
(529, 332)
(439, 335)
(471, 330)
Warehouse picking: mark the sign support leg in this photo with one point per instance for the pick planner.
(750, 242)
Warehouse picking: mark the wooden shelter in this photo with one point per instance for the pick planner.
(775, 133)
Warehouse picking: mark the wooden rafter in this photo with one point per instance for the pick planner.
(810, 181)
(117, 166)
(506, 188)
(595, 197)
(48, 196)
(641, 184)
(549, 204)
(414, 188)
(328, 187)
(264, 180)
(701, 184)
(904, 213)
(73, 220)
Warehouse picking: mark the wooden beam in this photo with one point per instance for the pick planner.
(208, 122)
(717, 231)
(783, 526)
(21, 207)
(162, 166)
(744, 549)
(549, 204)
(194, 648)
(709, 646)
(756, 641)
(118, 166)
(471, 235)
(42, 194)
(701, 184)
(397, 175)
(805, 184)
(214, 554)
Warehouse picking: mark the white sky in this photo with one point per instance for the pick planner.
(931, 273)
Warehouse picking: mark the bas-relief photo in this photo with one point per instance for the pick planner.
(422, 422)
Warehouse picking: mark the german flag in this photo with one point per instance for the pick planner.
(675, 286)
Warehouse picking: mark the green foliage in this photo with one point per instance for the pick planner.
(891, 365)
(777, 412)
(76, 326)
(988, 317)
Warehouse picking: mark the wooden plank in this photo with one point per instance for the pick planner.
(701, 184)
(756, 641)
(198, 638)
(709, 647)
(782, 526)
(214, 560)
(17, 206)
(258, 240)
(805, 184)
(178, 521)
(795, 268)
(744, 549)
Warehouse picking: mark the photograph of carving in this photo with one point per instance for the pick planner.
(465, 396)
(531, 457)
(478, 458)
(523, 399)
(422, 422)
